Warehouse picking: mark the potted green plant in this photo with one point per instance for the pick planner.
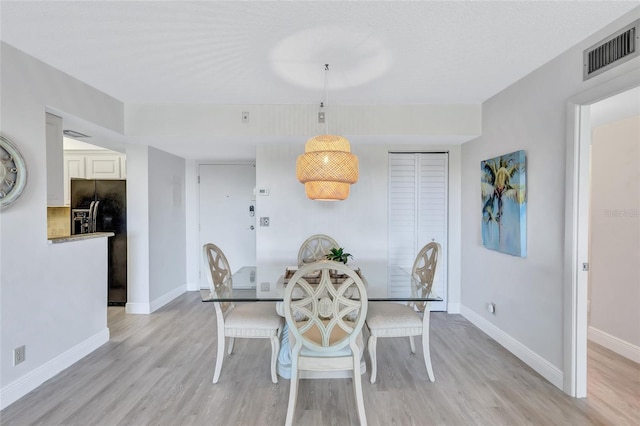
(338, 255)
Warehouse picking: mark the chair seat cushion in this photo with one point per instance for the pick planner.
(253, 320)
(385, 319)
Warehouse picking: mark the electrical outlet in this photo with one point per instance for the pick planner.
(245, 117)
(19, 355)
(265, 286)
(264, 221)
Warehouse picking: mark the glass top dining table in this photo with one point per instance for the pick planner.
(250, 286)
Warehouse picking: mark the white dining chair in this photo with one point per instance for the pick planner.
(325, 323)
(315, 248)
(250, 320)
(387, 319)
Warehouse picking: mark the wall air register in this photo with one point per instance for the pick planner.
(612, 51)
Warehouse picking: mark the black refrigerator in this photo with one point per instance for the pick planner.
(100, 205)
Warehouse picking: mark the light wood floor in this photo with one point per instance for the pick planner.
(613, 388)
(157, 370)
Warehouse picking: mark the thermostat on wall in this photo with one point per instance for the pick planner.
(263, 191)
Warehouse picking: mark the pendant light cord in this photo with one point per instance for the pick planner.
(326, 96)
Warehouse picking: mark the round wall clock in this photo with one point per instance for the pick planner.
(13, 172)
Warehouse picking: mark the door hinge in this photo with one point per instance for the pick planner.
(585, 266)
(198, 179)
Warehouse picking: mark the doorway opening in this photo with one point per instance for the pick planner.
(577, 223)
(613, 320)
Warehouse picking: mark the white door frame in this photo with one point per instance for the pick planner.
(576, 248)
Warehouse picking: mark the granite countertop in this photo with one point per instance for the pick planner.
(79, 237)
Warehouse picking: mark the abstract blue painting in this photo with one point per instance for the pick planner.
(504, 203)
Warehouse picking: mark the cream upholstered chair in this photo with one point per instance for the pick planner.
(329, 335)
(315, 248)
(387, 319)
(251, 320)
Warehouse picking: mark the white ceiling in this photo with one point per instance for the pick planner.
(273, 52)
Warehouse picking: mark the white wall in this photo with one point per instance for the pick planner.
(614, 277)
(52, 297)
(138, 230)
(156, 231)
(167, 223)
(193, 251)
(359, 223)
(202, 129)
(528, 292)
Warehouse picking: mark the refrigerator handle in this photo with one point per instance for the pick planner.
(94, 216)
(89, 221)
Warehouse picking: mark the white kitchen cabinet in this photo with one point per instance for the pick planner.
(74, 167)
(103, 166)
(90, 164)
(55, 179)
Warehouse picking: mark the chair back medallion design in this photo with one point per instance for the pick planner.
(315, 248)
(324, 314)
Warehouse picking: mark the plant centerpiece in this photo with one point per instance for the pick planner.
(338, 255)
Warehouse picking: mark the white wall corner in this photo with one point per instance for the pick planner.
(453, 308)
(192, 207)
(167, 297)
(137, 308)
(25, 384)
(193, 286)
(614, 344)
(529, 357)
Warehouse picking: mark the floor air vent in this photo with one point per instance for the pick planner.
(612, 51)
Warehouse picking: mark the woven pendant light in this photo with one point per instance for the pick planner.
(327, 168)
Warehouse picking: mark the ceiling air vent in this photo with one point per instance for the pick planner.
(612, 51)
(74, 134)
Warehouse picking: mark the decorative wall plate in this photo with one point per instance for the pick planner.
(13, 172)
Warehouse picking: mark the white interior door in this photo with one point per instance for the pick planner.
(418, 191)
(227, 213)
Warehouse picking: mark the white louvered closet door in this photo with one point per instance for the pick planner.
(417, 215)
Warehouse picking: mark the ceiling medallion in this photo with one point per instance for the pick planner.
(363, 56)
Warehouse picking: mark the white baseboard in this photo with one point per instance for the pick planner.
(25, 384)
(154, 305)
(615, 344)
(167, 297)
(137, 308)
(453, 308)
(529, 357)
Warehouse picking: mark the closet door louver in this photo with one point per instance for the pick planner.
(417, 215)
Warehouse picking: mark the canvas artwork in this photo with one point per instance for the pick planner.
(504, 203)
